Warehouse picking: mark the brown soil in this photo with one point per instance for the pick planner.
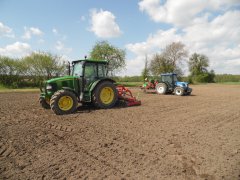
(167, 137)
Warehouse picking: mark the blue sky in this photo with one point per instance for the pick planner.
(71, 28)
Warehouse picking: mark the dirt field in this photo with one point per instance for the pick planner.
(167, 137)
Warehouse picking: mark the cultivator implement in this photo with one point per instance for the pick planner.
(125, 95)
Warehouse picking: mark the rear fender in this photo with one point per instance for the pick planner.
(95, 84)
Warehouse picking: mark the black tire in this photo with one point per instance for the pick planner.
(161, 88)
(63, 102)
(105, 95)
(43, 103)
(179, 91)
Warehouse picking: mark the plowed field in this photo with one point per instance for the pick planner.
(167, 137)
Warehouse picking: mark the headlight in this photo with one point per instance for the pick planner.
(49, 87)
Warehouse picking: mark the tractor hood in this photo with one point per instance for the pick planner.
(56, 84)
(64, 78)
(181, 84)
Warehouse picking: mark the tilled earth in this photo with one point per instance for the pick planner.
(167, 137)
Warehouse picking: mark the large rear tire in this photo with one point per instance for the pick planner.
(63, 102)
(179, 91)
(105, 95)
(161, 88)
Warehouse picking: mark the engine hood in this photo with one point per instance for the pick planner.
(64, 78)
(181, 84)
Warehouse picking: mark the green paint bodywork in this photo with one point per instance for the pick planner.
(74, 84)
(70, 82)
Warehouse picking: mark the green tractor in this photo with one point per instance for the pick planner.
(87, 84)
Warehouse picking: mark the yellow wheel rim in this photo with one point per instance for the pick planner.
(65, 103)
(106, 95)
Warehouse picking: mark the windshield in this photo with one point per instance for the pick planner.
(175, 78)
(77, 69)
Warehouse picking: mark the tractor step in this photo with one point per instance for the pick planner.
(126, 95)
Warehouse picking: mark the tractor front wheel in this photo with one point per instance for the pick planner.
(105, 95)
(161, 88)
(63, 102)
(179, 91)
(43, 103)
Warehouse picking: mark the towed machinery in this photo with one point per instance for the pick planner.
(168, 83)
(87, 84)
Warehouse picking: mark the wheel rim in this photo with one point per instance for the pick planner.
(178, 91)
(106, 95)
(160, 89)
(65, 103)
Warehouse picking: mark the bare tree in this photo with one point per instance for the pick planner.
(174, 53)
(169, 59)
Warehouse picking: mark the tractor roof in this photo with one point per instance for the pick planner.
(91, 61)
(168, 74)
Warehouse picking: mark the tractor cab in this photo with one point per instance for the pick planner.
(170, 84)
(89, 71)
(170, 79)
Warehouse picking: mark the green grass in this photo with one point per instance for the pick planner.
(230, 83)
(6, 89)
(130, 84)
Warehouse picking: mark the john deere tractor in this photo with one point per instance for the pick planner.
(170, 84)
(88, 84)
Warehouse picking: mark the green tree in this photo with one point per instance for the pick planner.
(198, 64)
(159, 64)
(104, 51)
(44, 65)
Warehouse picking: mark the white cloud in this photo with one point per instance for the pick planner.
(217, 38)
(6, 31)
(58, 34)
(61, 47)
(155, 42)
(17, 49)
(181, 13)
(55, 31)
(31, 31)
(103, 24)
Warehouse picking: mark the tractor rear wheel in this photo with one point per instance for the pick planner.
(161, 88)
(63, 102)
(43, 103)
(179, 91)
(105, 95)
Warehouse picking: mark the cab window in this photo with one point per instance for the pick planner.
(90, 70)
(102, 70)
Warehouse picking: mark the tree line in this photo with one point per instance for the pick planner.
(33, 69)
(171, 59)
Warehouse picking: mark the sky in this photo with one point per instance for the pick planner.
(141, 27)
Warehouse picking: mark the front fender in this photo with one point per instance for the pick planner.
(71, 90)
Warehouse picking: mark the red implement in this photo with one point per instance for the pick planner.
(126, 95)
